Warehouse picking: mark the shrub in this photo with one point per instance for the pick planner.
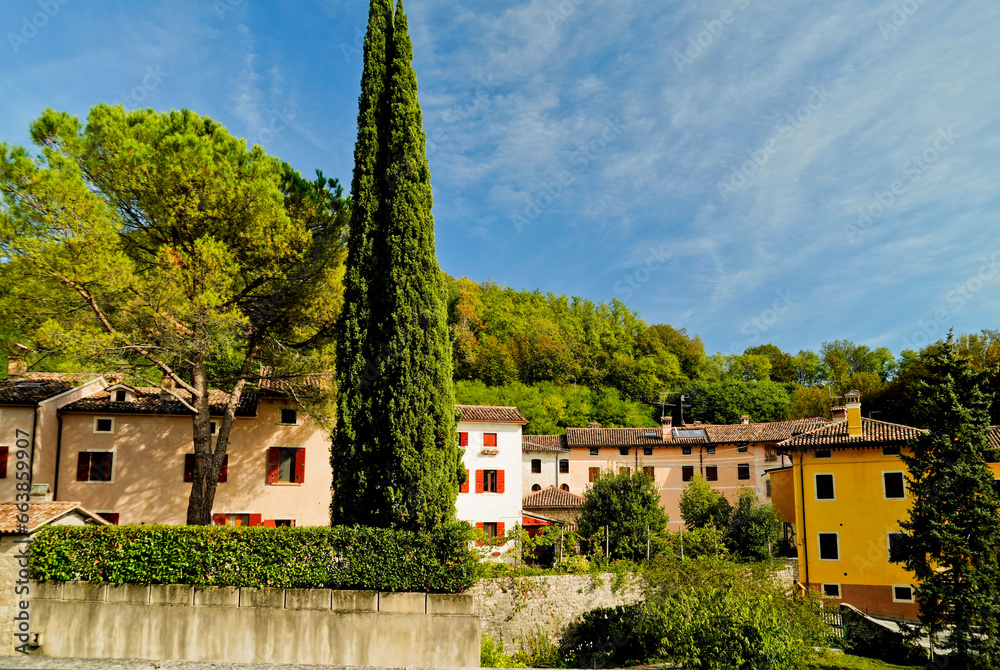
(344, 557)
(607, 637)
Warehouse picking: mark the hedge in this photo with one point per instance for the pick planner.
(343, 557)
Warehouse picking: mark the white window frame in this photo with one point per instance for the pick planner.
(822, 590)
(816, 487)
(819, 546)
(114, 466)
(104, 432)
(903, 586)
(893, 472)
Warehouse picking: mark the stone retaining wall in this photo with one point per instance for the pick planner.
(244, 625)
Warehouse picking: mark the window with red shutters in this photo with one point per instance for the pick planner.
(479, 481)
(4, 455)
(500, 482)
(255, 519)
(463, 439)
(649, 471)
(300, 466)
(465, 485)
(489, 439)
(269, 523)
(743, 471)
(286, 464)
(491, 481)
(501, 529)
(94, 466)
(273, 461)
(219, 519)
(625, 471)
(189, 460)
(594, 474)
(687, 473)
(712, 473)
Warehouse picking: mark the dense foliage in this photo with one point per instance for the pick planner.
(748, 530)
(340, 557)
(622, 514)
(395, 455)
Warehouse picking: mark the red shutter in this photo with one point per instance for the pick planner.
(4, 453)
(224, 472)
(300, 466)
(269, 523)
(465, 486)
(273, 461)
(489, 439)
(500, 529)
(480, 527)
(189, 467)
(649, 472)
(83, 467)
(479, 482)
(499, 482)
(463, 439)
(255, 519)
(219, 519)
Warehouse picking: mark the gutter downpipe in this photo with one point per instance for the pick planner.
(802, 489)
(55, 478)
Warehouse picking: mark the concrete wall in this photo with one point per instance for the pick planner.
(315, 626)
(148, 471)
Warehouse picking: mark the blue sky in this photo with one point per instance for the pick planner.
(752, 171)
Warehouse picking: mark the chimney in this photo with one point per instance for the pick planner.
(745, 419)
(852, 403)
(666, 423)
(16, 369)
(166, 386)
(838, 413)
(593, 424)
(696, 423)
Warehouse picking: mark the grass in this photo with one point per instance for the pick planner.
(848, 662)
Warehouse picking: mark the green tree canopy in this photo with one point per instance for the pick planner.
(753, 528)
(628, 505)
(702, 506)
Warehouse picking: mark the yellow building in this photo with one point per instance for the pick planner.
(849, 491)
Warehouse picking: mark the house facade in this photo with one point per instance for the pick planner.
(545, 462)
(491, 441)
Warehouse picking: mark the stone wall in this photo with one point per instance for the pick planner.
(515, 609)
(9, 598)
(267, 625)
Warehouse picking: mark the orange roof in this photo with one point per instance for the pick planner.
(874, 434)
(543, 443)
(40, 514)
(552, 497)
(490, 414)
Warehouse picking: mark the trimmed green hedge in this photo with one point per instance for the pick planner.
(344, 557)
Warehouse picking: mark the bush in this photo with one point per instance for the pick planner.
(607, 637)
(344, 557)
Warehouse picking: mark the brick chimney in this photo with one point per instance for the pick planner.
(16, 369)
(593, 424)
(852, 404)
(745, 419)
(166, 386)
(838, 413)
(666, 423)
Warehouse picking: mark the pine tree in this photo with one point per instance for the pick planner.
(954, 527)
(397, 459)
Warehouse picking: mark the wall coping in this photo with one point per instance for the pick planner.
(337, 600)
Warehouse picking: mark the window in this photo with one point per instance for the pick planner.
(686, 451)
(890, 451)
(104, 424)
(712, 473)
(829, 547)
(895, 485)
(94, 466)
(536, 487)
(110, 517)
(767, 487)
(213, 427)
(902, 594)
(189, 461)
(825, 488)
(770, 456)
(565, 487)
(594, 474)
(489, 439)
(891, 540)
(594, 451)
(831, 590)
(490, 529)
(647, 451)
(286, 465)
(237, 519)
(649, 471)
(284, 523)
(623, 451)
(743, 471)
(463, 439)
(742, 449)
(4, 457)
(536, 465)
(489, 481)
(625, 471)
(564, 466)
(289, 416)
(822, 453)
(687, 472)
(119, 397)
(710, 450)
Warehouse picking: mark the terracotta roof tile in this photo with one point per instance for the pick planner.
(35, 387)
(621, 437)
(491, 414)
(543, 443)
(39, 514)
(874, 434)
(147, 401)
(773, 431)
(552, 497)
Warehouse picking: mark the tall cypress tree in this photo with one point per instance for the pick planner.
(402, 428)
(954, 526)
